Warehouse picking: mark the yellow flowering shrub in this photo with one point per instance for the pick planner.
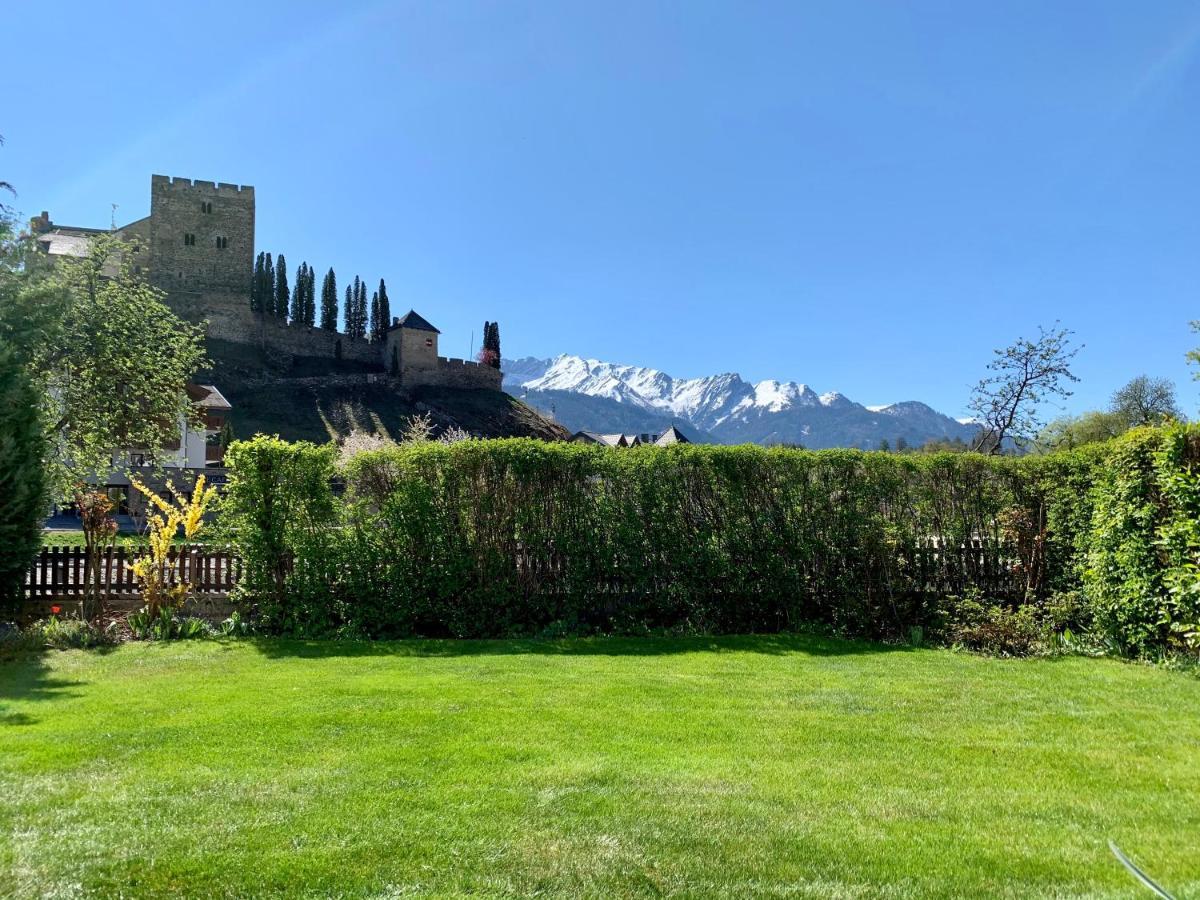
(154, 568)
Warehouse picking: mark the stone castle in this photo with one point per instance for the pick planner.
(197, 245)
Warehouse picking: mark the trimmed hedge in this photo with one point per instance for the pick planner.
(1143, 556)
(519, 536)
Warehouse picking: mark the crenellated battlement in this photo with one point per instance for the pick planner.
(175, 183)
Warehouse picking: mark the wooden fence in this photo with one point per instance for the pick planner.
(60, 573)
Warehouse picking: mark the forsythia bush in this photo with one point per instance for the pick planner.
(520, 536)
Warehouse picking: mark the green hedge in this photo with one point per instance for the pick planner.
(519, 536)
(1143, 557)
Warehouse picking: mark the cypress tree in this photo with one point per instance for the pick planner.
(22, 452)
(491, 343)
(256, 282)
(297, 306)
(348, 328)
(385, 311)
(375, 330)
(329, 302)
(267, 302)
(310, 297)
(282, 294)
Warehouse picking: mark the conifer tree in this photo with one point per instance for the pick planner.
(256, 283)
(282, 294)
(375, 331)
(310, 297)
(491, 343)
(268, 286)
(348, 327)
(385, 311)
(298, 296)
(329, 302)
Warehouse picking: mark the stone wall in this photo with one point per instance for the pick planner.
(458, 373)
(201, 234)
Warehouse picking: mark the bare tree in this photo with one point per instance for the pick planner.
(1007, 403)
(1145, 401)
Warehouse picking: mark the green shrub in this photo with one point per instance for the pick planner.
(68, 634)
(1143, 558)
(517, 536)
(23, 488)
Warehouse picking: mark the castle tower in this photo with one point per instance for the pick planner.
(201, 237)
(411, 348)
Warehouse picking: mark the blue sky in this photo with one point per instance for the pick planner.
(865, 197)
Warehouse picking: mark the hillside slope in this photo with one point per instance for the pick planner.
(299, 402)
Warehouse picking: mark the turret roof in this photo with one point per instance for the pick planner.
(414, 320)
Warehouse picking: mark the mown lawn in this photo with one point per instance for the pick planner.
(701, 767)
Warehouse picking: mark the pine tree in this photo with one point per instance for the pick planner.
(385, 311)
(298, 295)
(282, 294)
(375, 330)
(329, 302)
(256, 283)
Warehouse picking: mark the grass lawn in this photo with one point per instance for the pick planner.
(702, 767)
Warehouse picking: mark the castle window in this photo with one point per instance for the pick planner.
(205, 206)
(222, 243)
(189, 240)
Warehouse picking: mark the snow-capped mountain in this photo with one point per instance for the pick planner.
(600, 396)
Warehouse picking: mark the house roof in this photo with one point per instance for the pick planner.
(206, 396)
(671, 436)
(414, 320)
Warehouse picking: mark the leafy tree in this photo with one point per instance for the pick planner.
(282, 294)
(1145, 401)
(107, 357)
(23, 487)
(329, 302)
(7, 188)
(884, 446)
(385, 310)
(1007, 404)
(1068, 432)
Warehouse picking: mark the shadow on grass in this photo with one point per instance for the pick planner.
(774, 644)
(25, 676)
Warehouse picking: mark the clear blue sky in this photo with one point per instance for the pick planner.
(864, 196)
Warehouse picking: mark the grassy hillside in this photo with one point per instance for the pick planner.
(268, 396)
(301, 411)
(722, 767)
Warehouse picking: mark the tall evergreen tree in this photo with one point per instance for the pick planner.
(385, 311)
(268, 286)
(329, 302)
(256, 284)
(348, 307)
(375, 330)
(282, 294)
(298, 295)
(22, 472)
(310, 297)
(491, 343)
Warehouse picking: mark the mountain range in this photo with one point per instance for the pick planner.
(588, 394)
